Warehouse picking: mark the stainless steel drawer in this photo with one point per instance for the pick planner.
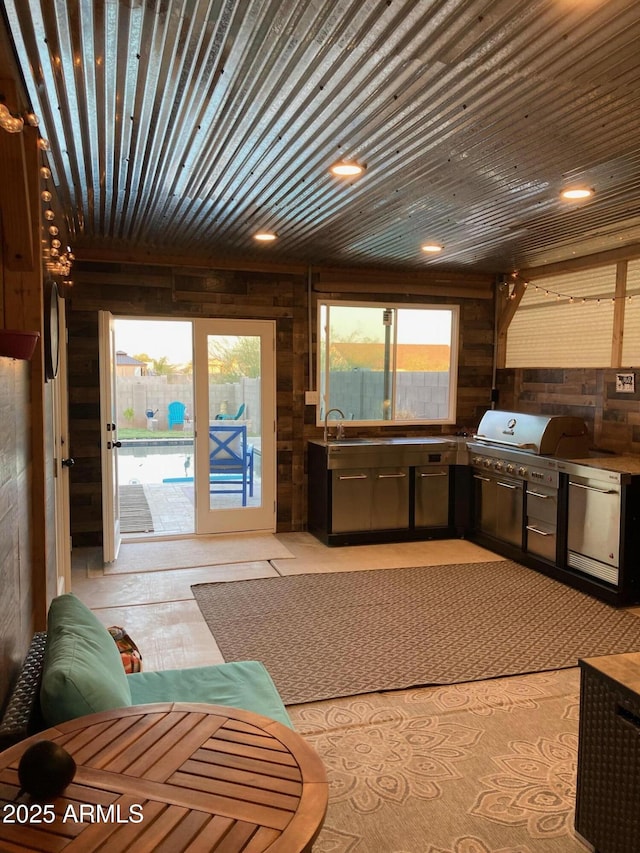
(541, 539)
(542, 504)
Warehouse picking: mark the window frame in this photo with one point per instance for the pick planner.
(454, 344)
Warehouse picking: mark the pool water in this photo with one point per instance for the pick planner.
(153, 464)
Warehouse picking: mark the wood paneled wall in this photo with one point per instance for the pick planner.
(155, 291)
(16, 566)
(129, 290)
(613, 417)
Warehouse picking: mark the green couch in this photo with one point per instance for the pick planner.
(83, 674)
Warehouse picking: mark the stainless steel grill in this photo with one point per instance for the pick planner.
(514, 457)
(553, 435)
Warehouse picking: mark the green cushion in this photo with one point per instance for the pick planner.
(82, 671)
(242, 684)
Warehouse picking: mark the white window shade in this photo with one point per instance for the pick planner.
(631, 338)
(554, 327)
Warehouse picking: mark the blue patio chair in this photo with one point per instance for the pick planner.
(221, 416)
(175, 416)
(230, 461)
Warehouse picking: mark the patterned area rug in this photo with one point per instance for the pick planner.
(484, 767)
(135, 514)
(327, 635)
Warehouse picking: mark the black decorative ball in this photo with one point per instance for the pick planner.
(45, 770)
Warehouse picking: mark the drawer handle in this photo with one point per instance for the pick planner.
(391, 476)
(592, 489)
(537, 530)
(352, 477)
(629, 717)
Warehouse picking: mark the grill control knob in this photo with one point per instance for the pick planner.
(487, 463)
(510, 468)
(522, 472)
(498, 466)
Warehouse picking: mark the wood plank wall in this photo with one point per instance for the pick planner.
(16, 565)
(613, 417)
(156, 291)
(144, 291)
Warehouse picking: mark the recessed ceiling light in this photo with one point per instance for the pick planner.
(346, 169)
(576, 193)
(432, 248)
(265, 236)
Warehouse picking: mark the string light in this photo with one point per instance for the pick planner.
(10, 122)
(509, 287)
(57, 261)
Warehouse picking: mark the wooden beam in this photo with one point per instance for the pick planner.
(509, 306)
(618, 313)
(397, 280)
(393, 288)
(17, 231)
(187, 259)
(586, 262)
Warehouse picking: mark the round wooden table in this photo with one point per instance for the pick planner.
(171, 778)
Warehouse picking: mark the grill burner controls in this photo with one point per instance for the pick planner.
(545, 471)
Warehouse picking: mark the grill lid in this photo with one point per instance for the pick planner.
(554, 435)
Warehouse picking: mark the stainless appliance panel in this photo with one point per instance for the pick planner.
(485, 504)
(432, 496)
(541, 540)
(499, 507)
(542, 504)
(509, 511)
(542, 520)
(594, 520)
(390, 499)
(351, 500)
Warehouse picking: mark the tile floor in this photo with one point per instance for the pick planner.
(158, 610)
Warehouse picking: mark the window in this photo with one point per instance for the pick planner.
(386, 363)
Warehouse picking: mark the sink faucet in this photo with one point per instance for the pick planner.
(340, 432)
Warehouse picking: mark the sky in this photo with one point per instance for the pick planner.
(171, 338)
(415, 326)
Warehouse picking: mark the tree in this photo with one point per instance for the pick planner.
(233, 358)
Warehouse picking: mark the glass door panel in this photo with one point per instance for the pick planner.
(235, 416)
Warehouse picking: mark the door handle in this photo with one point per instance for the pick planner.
(112, 444)
(391, 476)
(445, 474)
(352, 477)
(539, 495)
(68, 463)
(506, 485)
(536, 530)
(484, 479)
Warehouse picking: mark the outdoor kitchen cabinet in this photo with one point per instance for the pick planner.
(384, 491)
(369, 499)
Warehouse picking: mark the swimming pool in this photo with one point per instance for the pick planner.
(152, 463)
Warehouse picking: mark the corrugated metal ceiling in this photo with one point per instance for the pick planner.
(187, 125)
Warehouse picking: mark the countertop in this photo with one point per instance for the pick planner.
(382, 441)
(617, 464)
(622, 464)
